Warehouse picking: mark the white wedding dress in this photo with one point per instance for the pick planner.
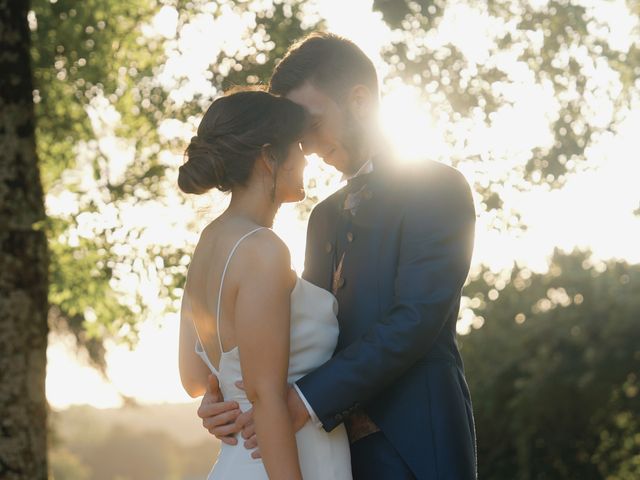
(314, 334)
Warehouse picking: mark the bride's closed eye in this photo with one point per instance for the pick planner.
(315, 125)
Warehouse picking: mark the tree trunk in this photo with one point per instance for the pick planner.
(23, 261)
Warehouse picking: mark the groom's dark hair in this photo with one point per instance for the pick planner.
(330, 62)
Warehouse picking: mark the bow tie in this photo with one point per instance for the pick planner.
(356, 192)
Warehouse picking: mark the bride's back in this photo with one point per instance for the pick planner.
(205, 279)
(312, 339)
(244, 139)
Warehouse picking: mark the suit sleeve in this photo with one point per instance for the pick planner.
(436, 245)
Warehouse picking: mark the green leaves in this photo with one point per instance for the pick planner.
(572, 51)
(100, 105)
(90, 61)
(553, 370)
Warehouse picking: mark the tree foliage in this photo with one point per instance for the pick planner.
(98, 73)
(560, 45)
(86, 58)
(553, 370)
(104, 59)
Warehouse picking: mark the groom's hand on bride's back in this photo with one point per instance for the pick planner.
(222, 419)
(225, 419)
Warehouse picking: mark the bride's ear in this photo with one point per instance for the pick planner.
(269, 161)
(268, 158)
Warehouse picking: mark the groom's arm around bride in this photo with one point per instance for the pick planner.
(436, 235)
(397, 359)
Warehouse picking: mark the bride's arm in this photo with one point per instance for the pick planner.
(262, 331)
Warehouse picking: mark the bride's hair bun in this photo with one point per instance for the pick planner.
(204, 168)
(231, 136)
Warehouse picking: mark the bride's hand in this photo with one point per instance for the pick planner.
(219, 417)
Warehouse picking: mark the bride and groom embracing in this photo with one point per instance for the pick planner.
(351, 371)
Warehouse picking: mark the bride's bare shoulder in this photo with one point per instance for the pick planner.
(266, 248)
(262, 252)
(267, 258)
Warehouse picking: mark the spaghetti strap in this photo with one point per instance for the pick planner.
(199, 348)
(224, 272)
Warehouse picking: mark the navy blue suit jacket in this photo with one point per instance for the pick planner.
(408, 250)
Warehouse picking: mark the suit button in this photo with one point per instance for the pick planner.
(350, 237)
(341, 282)
(328, 247)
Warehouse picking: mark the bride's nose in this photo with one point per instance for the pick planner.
(309, 146)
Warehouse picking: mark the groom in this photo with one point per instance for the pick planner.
(394, 246)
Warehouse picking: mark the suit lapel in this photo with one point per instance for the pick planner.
(334, 222)
(323, 237)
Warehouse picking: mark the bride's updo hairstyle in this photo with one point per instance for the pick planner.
(231, 136)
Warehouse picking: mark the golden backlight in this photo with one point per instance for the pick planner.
(594, 209)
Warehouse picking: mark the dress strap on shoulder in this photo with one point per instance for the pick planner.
(224, 272)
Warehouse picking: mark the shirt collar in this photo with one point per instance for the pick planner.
(364, 169)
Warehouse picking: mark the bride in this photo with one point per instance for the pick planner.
(245, 314)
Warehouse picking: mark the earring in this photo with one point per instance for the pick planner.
(273, 188)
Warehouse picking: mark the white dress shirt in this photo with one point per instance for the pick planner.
(367, 167)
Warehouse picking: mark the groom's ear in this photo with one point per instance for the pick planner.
(360, 101)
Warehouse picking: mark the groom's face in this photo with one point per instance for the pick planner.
(331, 132)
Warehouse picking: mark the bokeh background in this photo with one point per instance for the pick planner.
(537, 102)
